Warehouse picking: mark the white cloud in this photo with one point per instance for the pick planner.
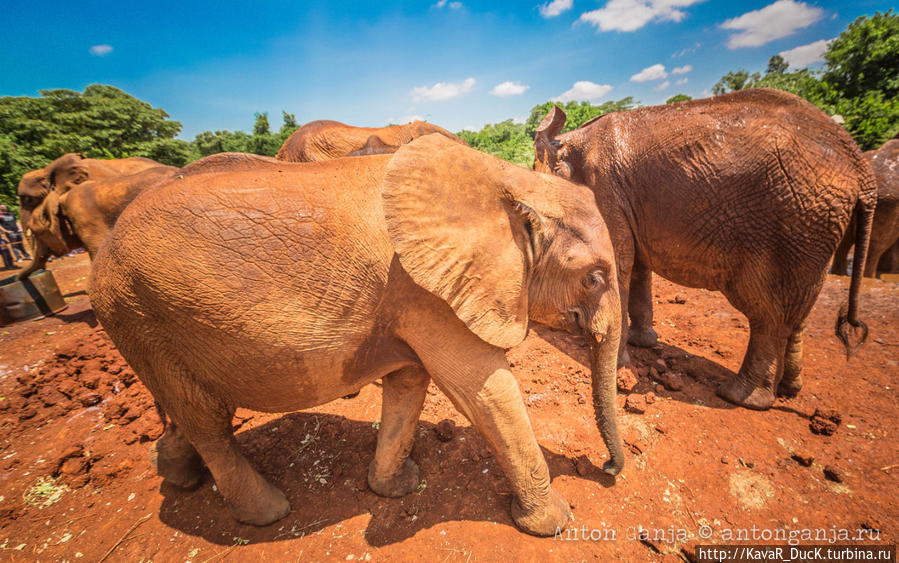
(662, 86)
(584, 90)
(804, 55)
(509, 88)
(554, 8)
(682, 81)
(654, 72)
(442, 91)
(687, 51)
(682, 69)
(100, 50)
(774, 21)
(448, 4)
(631, 15)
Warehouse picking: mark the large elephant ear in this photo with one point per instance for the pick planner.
(460, 234)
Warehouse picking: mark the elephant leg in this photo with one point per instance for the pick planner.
(791, 382)
(175, 459)
(494, 405)
(753, 386)
(393, 473)
(641, 332)
(206, 422)
(625, 262)
(840, 264)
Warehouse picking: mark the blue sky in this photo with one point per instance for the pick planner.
(456, 63)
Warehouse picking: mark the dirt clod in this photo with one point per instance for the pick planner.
(626, 379)
(445, 430)
(825, 422)
(635, 404)
(834, 474)
(803, 459)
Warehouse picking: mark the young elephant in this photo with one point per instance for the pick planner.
(69, 170)
(277, 286)
(323, 140)
(885, 230)
(747, 193)
(81, 215)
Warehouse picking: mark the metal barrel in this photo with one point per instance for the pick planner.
(31, 298)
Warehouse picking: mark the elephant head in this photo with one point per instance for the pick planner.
(501, 245)
(51, 231)
(552, 155)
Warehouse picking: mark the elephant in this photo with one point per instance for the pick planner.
(81, 215)
(306, 281)
(324, 140)
(747, 193)
(885, 232)
(71, 169)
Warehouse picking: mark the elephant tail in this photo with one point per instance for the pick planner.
(162, 417)
(848, 316)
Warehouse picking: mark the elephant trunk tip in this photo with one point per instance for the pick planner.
(613, 467)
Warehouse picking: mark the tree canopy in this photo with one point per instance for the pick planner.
(101, 122)
(859, 80)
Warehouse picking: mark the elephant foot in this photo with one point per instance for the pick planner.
(544, 520)
(402, 483)
(748, 396)
(789, 387)
(642, 337)
(177, 462)
(266, 506)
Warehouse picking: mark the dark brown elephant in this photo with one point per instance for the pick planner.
(885, 232)
(747, 193)
(71, 169)
(305, 282)
(80, 215)
(324, 140)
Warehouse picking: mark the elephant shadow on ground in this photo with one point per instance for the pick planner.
(700, 376)
(320, 461)
(78, 312)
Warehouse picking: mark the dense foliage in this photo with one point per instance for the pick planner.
(859, 81)
(101, 122)
(515, 141)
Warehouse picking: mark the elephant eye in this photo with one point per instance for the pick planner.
(594, 280)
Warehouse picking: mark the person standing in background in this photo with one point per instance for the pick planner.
(12, 232)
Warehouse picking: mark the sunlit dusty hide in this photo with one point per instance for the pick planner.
(324, 140)
(747, 193)
(306, 281)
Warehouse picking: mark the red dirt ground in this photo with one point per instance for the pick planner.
(75, 426)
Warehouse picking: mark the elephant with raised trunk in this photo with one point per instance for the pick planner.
(885, 231)
(80, 215)
(747, 193)
(69, 170)
(305, 282)
(324, 140)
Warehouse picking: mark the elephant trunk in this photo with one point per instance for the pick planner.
(604, 366)
(40, 253)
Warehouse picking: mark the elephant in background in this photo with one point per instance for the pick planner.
(748, 193)
(885, 232)
(306, 282)
(324, 140)
(71, 169)
(80, 215)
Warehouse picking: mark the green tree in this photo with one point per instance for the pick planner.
(733, 81)
(290, 123)
(101, 122)
(777, 65)
(678, 98)
(865, 57)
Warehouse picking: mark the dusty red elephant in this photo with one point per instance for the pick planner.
(71, 169)
(305, 282)
(80, 215)
(324, 140)
(748, 193)
(885, 232)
